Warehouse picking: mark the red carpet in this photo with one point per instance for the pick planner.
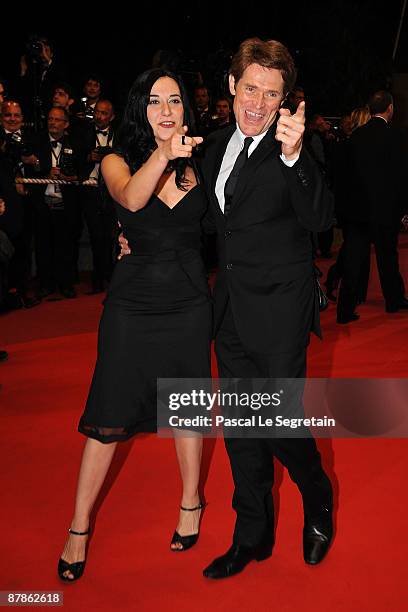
(130, 567)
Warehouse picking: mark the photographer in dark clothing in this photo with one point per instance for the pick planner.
(11, 224)
(38, 75)
(17, 155)
(56, 206)
(92, 93)
(98, 210)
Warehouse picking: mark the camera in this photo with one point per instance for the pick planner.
(19, 147)
(66, 163)
(35, 47)
(87, 111)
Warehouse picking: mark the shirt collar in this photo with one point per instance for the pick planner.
(381, 117)
(257, 139)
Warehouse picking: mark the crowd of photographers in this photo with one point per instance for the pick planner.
(49, 132)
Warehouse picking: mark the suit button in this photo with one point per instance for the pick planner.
(227, 233)
(229, 266)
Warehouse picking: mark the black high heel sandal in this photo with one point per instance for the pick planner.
(186, 541)
(77, 568)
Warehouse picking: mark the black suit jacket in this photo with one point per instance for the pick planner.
(42, 149)
(14, 148)
(11, 221)
(88, 143)
(265, 250)
(375, 175)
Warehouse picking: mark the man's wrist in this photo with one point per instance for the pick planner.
(290, 160)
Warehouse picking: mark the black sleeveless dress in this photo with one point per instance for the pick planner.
(156, 321)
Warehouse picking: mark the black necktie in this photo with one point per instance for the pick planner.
(102, 132)
(232, 180)
(55, 143)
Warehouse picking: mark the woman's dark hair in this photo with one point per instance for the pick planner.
(135, 140)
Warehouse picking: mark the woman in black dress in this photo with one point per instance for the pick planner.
(157, 314)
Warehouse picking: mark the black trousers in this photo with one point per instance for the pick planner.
(54, 245)
(252, 459)
(20, 264)
(336, 271)
(100, 220)
(359, 237)
(325, 241)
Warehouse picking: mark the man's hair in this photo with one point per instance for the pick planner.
(223, 99)
(92, 76)
(11, 101)
(379, 102)
(266, 53)
(197, 87)
(105, 101)
(65, 87)
(66, 114)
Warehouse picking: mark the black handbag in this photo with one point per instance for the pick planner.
(322, 298)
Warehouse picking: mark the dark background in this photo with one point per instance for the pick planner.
(343, 48)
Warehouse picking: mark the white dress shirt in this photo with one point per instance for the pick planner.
(101, 141)
(54, 191)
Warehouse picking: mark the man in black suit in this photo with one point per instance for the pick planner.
(265, 200)
(16, 154)
(375, 177)
(56, 206)
(98, 210)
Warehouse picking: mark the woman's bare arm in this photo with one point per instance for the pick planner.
(132, 191)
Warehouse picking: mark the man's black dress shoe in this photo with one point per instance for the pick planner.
(96, 288)
(343, 319)
(44, 292)
(402, 305)
(69, 293)
(317, 535)
(30, 302)
(235, 560)
(3, 355)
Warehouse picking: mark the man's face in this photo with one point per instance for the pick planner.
(222, 108)
(57, 124)
(61, 98)
(103, 114)
(346, 125)
(201, 98)
(11, 116)
(321, 125)
(258, 96)
(298, 97)
(92, 89)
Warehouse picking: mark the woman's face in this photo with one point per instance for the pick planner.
(165, 110)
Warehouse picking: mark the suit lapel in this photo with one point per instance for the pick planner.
(268, 147)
